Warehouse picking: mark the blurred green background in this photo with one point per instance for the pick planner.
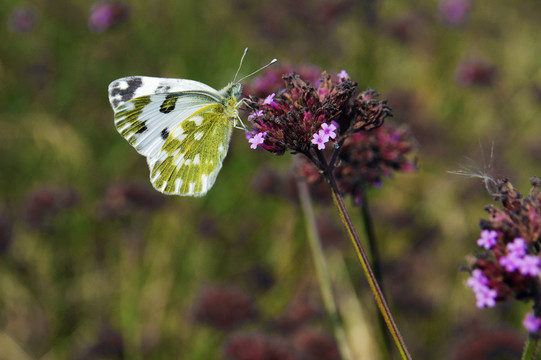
(94, 264)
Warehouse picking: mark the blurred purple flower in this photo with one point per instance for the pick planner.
(122, 199)
(455, 12)
(223, 307)
(22, 20)
(475, 72)
(44, 203)
(105, 14)
(315, 345)
(298, 313)
(258, 347)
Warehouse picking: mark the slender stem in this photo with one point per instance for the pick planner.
(529, 348)
(361, 254)
(322, 272)
(375, 257)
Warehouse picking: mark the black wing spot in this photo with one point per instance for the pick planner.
(168, 104)
(164, 134)
(127, 93)
(162, 89)
(143, 128)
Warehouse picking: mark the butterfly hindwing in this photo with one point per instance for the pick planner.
(192, 155)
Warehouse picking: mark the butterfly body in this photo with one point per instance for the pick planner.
(182, 127)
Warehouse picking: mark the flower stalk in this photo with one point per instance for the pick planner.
(322, 272)
(365, 264)
(374, 254)
(529, 348)
(306, 119)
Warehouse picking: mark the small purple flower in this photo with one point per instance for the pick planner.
(510, 262)
(529, 265)
(488, 239)
(256, 114)
(257, 139)
(484, 295)
(342, 75)
(516, 259)
(531, 323)
(328, 130)
(517, 247)
(269, 99)
(319, 140)
(105, 14)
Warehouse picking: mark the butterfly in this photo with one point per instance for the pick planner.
(182, 127)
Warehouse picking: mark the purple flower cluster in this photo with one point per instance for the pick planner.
(484, 295)
(510, 263)
(517, 259)
(303, 117)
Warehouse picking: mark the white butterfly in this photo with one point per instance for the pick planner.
(183, 128)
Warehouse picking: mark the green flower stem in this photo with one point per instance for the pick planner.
(361, 254)
(374, 257)
(322, 272)
(529, 348)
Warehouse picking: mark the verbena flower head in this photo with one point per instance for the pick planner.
(293, 117)
(106, 14)
(369, 157)
(510, 263)
(22, 20)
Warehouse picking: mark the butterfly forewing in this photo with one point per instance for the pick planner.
(147, 121)
(131, 87)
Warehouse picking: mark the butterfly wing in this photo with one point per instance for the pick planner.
(179, 125)
(131, 87)
(192, 155)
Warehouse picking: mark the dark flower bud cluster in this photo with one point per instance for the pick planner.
(272, 82)
(367, 158)
(510, 263)
(302, 117)
(370, 157)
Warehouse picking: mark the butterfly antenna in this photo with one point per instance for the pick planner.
(240, 65)
(258, 70)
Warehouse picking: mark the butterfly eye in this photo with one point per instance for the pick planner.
(237, 90)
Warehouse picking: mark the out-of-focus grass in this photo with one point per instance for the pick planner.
(80, 276)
